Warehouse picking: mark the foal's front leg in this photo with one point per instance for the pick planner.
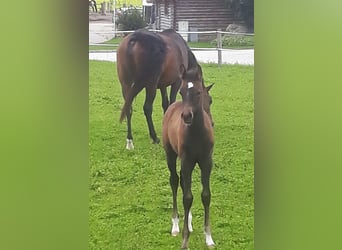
(206, 196)
(171, 158)
(186, 176)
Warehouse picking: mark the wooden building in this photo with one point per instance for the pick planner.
(193, 15)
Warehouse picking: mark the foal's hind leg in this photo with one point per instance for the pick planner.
(206, 196)
(174, 182)
(148, 109)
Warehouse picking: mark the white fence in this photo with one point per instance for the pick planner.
(219, 48)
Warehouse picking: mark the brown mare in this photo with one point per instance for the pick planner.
(151, 60)
(188, 134)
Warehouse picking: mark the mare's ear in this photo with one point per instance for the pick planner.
(182, 70)
(209, 87)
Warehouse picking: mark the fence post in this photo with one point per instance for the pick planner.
(219, 47)
(103, 8)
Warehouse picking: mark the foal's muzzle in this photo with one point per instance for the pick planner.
(187, 117)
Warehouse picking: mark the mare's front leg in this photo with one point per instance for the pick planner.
(174, 90)
(187, 167)
(148, 109)
(206, 167)
(165, 99)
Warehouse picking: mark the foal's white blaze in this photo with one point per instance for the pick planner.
(129, 144)
(190, 85)
(175, 227)
(190, 222)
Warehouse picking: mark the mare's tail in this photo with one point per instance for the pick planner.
(146, 53)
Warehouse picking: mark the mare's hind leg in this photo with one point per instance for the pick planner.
(174, 90)
(148, 109)
(165, 99)
(171, 158)
(129, 139)
(205, 167)
(186, 176)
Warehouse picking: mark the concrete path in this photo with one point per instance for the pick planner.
(244, 57)
(100, 32)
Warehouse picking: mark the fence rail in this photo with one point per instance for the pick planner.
(219, 48)
(116, 32)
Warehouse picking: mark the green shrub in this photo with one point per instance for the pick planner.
(235, 41)
(131, 19)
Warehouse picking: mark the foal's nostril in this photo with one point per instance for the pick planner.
(187, 117)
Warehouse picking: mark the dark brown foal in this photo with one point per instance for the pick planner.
(188, 134)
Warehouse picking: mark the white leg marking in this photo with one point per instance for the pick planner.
(209, 240)
(190, 222)
(175, 227)
(129, 144)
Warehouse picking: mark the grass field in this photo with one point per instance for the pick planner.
(121, 3)
(130, 197)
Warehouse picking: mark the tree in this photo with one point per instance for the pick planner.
(243, 9)
(131, 19)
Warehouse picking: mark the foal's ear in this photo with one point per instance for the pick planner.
(209, 87)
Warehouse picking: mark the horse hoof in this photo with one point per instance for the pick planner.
(156, 141)
(175, 227)
(184, 247)
(129, 144)
(209, 241)
(175, 233)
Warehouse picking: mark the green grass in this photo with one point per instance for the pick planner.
(120, 3)
(114, 43)
(130, 197)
